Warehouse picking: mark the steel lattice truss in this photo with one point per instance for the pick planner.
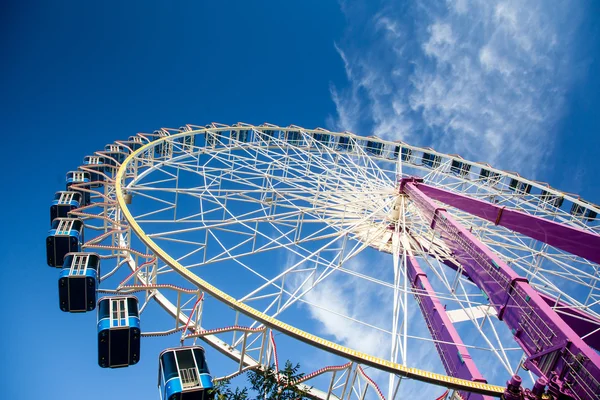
(240, 232)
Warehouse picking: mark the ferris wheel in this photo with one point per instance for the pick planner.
(391, 270)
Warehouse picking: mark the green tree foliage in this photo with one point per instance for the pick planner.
(265, 385)
(222, 391)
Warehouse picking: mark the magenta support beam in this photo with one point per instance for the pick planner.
(454, 355)
(583, 323)
(570, 239)
(573, 240)
(553, 349)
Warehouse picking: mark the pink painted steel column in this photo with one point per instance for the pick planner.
(454, 355)
(568, 238)
(553, 349)
(576, 241)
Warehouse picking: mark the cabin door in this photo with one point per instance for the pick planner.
(118, 313)
(79, 265)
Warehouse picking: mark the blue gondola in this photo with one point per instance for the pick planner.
(63, 203)
(460, 168)
(269, 134)
(95, 163)
(518, 186)
(186, 141)
(116, 152)
(243, 135)
(78, 282)
(373, 147)
(295, 138)
(395, 153)
(118, 331)
(135, 142)
(213, 138)
(322, 138)
(552, 199)
(77, 178)
(431, 160)
(406, 154)
(163, 148)
(183, 374)
(65, 236)
(344, 143)
(487, 176)
(583, 212)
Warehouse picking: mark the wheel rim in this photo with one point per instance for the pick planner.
(372, 229)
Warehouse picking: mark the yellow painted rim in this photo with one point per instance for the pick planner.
(334, 348)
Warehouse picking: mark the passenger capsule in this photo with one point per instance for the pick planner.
(65, 236)
(489, 177)
(116, 152)
(322, 138)
(395, 153)
(63, 203)
(79, 178)
(188, 140)
(78, 282)
(406, 154)
(269, 134)
(344, 143)
(163, 148)
(460, 168)
(552, 199)
(242, 135)
(295, 138)
(133, 146)
(373, 147)
(580, 211)
(213, 138)
(519, 187)
(95, 163)
(431, 160)
(118, 331)
(183, 374)
(135, 142)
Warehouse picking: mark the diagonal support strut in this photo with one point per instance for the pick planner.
(572, 367)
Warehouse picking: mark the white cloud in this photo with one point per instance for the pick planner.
(345, 60)
(334, 297)
(341, 297)
(460, 6)
(441, 41)
(485, 79)
(391, 27)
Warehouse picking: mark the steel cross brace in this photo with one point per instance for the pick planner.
(573, 368)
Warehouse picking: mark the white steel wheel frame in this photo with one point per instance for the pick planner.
(296, 182)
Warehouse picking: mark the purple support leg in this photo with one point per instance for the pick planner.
(554, 351)
(570, 239)
(573, 240)
(454, 355)
(582, 322)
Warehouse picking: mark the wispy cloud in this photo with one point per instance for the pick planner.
(485, 79)
(341, 298)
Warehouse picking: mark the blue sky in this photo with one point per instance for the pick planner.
(506, 82)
